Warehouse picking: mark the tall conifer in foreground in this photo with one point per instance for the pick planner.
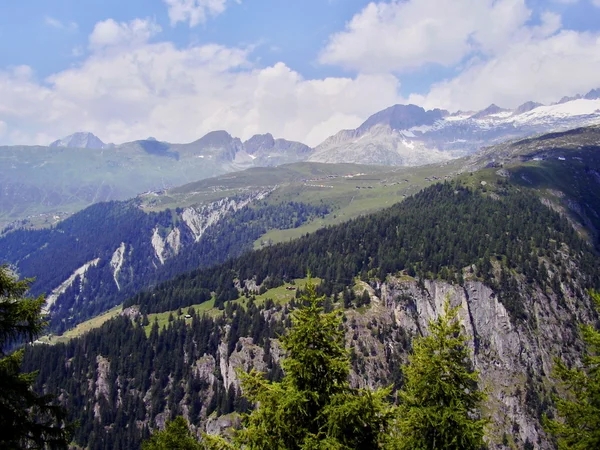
(313, 407)
(27, 420)
(578, 425)
(440, 401)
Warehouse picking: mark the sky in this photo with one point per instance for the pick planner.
(298, 69)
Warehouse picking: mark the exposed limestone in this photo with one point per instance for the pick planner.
(174, 240)
(102, 386)
(198, 219)
(116, 262)
(220, 425)
(57, 292)
(158, 244)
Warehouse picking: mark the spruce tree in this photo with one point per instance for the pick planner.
(578, 424)
(440, 401)
(175, 436)
(313, 407)
(27, 420)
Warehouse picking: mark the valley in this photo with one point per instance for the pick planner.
(508, 235)
(309, 225)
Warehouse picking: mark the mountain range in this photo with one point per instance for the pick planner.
(510, 242)
(41, 184)
(502, 223)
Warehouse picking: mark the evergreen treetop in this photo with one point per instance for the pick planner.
(313, 407)
(578, 425)
(440, 400)
(27, 420)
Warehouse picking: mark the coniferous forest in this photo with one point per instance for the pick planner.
(129, 376)
(51, 255)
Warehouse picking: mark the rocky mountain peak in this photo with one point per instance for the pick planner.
(527, 106)
(80, 139)
(492, 109)
(594, 94)
(258, 142)
(402, 117)
(215, 139)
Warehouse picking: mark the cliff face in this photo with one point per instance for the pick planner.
(514, 358)
(191, 368)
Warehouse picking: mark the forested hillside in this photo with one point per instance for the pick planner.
(95, 259)
(434, 234)
(517, 270)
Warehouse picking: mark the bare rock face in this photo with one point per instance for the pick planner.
(514, 359)
(101, 383)
(222, 425)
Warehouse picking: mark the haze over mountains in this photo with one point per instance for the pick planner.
(38, 180)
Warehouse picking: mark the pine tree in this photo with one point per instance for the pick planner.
(441, 399)
(27, 420)
(313, 407)
(175, 436)
(578, 425)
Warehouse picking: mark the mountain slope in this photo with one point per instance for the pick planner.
(519, 299)
(110, 251)
(38, 183)
(201, 223)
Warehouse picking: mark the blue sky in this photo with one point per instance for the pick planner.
(302, 70)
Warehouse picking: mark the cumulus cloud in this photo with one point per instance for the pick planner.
(405, 35)
(123, 92)
(501, 50)
(542, 70)
(111, 33)
(193, 11)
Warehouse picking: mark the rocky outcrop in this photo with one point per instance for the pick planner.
(79, 273)
(116, 262)
(199, 218)
(101, 383)
(514, 358)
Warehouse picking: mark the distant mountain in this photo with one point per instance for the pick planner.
(37, 181)
(81, 140)
(526, 107)
(267, 151)
(41, 183)
(408, 135)
(489, 111)
(594, 94)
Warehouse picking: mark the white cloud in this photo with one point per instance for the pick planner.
(110, 33)
(123, 92)
(193, 11)
(536, 69)
(404, 35)
(502, 51)
(55, 23)
(596, 3)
